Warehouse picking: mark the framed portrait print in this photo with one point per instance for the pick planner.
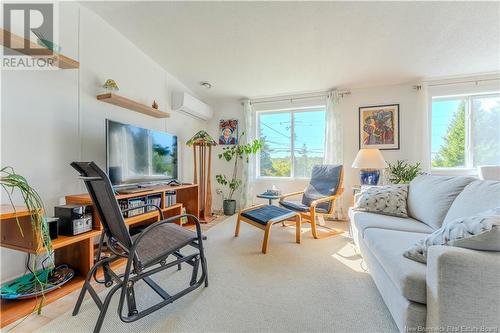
(379, 127)
(228, 131)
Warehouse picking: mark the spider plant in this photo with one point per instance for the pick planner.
(12, 182)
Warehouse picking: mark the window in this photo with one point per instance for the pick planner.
(465, 131)
(293, 142)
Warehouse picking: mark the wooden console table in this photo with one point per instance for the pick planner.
(78, 251)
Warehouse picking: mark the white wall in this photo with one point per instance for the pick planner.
(412, 118)
(223, 109)
(50, 119)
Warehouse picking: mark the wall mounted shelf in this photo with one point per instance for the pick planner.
(131, 105)
(60, 60)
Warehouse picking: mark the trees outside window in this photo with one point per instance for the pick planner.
(465, 131)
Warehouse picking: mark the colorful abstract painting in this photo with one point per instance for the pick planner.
(379, 126)
(228, 132)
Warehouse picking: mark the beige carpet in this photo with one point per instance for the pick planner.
(317, 286)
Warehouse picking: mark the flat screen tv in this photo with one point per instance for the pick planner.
(136, 155)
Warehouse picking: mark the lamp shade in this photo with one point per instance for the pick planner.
(201, 138)
(369, 159)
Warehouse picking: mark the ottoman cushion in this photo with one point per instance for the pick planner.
(269, 213)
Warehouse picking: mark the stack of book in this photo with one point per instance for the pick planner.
(130, 203)
(170, 198)
(154, 199)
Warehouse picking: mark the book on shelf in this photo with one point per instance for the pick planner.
(170, 198)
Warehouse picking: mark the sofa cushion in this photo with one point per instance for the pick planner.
(364, 220)
(430, 197)
(387, 200)
(407, 275)
(478, 196)
(408, 315)
(477, 232)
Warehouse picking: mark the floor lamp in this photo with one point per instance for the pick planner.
(202, 144)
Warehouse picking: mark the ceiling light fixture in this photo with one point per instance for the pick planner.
(206, 84)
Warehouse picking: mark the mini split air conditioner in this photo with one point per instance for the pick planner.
(188, 104)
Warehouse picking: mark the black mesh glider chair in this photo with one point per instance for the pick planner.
(319, 197)
(147, 253)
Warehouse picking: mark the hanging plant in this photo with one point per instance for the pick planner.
(12, 182)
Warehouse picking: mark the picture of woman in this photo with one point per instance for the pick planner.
(228, 130)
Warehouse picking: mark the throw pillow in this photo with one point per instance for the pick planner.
(387, 200)
(478, 232)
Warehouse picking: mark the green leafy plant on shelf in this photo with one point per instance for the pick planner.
(11, 183)
(402, 172)
(235, 154)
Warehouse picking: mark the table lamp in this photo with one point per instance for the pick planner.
(370, 161)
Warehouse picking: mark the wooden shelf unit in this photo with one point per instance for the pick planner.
(60, 60)
(187, 197)
(78, 251)
(132, 105)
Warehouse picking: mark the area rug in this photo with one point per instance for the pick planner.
(315, 286)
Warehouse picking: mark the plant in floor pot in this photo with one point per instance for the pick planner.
(402, 172)
(12, 182)
(235, 154)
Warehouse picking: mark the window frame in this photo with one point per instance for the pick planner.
(468, 168)
(290, 110)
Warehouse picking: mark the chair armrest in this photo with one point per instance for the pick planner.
(290, 194)
(325, 199)
(463, 288)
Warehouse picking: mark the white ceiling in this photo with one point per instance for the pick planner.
(249, 49)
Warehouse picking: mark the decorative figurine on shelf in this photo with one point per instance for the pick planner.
(155, 105)
(110, 86)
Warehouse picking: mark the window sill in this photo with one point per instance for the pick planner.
(264, 178)
(454, 172)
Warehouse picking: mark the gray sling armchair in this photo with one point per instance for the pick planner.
(146, 253)
(325, 187)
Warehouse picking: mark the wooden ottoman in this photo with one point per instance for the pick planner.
(264, 216)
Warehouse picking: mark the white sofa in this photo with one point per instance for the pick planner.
(458, 287)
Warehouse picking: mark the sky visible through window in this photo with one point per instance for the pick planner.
(309, 140)
(442, 114)
(309, 130)
(466, 138)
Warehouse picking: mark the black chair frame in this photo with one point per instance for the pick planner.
(135, 270)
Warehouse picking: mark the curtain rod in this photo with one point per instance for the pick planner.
(418, 87)
(291, 99)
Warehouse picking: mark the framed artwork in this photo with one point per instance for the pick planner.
(379, 127)
(228, 132)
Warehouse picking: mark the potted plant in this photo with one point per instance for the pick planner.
(11, 183)
(402, 172)
(234, 154)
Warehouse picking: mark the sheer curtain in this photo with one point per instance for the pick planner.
(248, 172)
(424, 142)
(334, 152)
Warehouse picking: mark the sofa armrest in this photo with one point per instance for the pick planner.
(463, 288)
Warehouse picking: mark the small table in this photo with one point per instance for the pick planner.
(269, 197)
(264, 216)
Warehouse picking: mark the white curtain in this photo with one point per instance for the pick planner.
(424, 142)
(334, 152)
(248, 173)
